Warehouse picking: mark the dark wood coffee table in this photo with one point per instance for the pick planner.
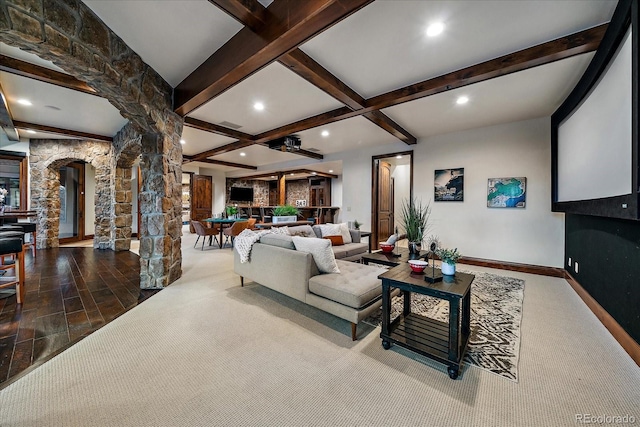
(391, 259)
(437, 340)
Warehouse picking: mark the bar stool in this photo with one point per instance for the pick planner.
(11, 244)
(25, 228)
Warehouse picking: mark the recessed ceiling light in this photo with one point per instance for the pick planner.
(291, 173)
(273, 176)
(24, 102)
(243, 154)
(325, 133)
(313, 173)
(259, 106)
(330, 170)
(435, 29)
(182, 141)
(31, 131)
(398, 156)
(462, 100)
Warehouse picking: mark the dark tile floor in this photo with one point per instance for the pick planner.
(71, 292)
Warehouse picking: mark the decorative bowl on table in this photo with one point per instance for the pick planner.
(417, 265)
(386, 247)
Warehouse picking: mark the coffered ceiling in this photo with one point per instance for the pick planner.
(364, 71)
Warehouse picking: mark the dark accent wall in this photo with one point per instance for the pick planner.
(608, 253)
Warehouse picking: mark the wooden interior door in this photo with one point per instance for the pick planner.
(201, 198)
(385, 202)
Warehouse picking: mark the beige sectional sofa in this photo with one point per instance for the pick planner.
(352, 294)
(348, 252)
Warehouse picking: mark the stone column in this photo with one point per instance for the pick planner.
(160, 206)
(122, 210)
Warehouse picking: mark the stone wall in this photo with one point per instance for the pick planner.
(297, 190)
(70, 35)
(260, 189)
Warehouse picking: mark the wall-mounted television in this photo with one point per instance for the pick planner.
(241, 194)
(594, 133)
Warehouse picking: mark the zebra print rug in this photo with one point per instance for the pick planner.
(496, 313)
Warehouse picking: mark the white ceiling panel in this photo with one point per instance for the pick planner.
(198, 141)
(349, 134)
(75, 110)
(384, 47)
(173, 36)
(286, 98)
(31, 58)
(528, 94)
(196, 166)
(256, 155)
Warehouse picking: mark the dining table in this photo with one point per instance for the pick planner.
(222, 222)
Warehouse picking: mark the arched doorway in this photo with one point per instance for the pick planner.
(73, 38)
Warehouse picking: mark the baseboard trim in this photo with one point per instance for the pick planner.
(619, 334)
(88, 237)
(514, 266)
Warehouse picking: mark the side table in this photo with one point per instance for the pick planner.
(437, 340)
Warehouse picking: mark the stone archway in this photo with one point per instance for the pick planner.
(67, 33)
(45, 159)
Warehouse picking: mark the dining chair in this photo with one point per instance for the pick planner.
(203, 232)
(237, 228)
(252, 223)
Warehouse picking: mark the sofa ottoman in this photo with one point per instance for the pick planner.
(352, 294)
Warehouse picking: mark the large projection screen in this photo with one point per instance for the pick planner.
(595, 141)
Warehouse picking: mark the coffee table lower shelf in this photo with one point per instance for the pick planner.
(425, 336)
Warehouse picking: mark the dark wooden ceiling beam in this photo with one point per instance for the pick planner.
(221, 150)
(186, 159)
(545, 53)
(6, 119)
(308, 123)
(292, 23)
(252, 14)
(60, 131)
(248, 12)
(275, 175)
(217, 129)
(307, 68)
(46, 75)
(385, 122)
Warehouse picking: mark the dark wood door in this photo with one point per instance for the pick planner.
(201, 198)
(385, 201)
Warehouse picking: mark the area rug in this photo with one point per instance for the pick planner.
(496, 313)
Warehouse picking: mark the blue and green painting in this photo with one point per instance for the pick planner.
(507, 192)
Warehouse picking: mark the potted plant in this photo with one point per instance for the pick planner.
(356, 224)
(286, 213)
(415, 221)
(231, 211)
(449, 257)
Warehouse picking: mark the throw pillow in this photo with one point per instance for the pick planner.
(344, 231)
(335, 240)
(280, 230)
(330, 229)
(302, 230)
(320, 250)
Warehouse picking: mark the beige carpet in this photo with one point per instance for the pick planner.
(206, 352)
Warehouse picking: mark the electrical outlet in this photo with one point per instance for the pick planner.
(575, 268)
(569, 263)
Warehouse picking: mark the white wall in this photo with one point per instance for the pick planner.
(402, 191)
(533, 235)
